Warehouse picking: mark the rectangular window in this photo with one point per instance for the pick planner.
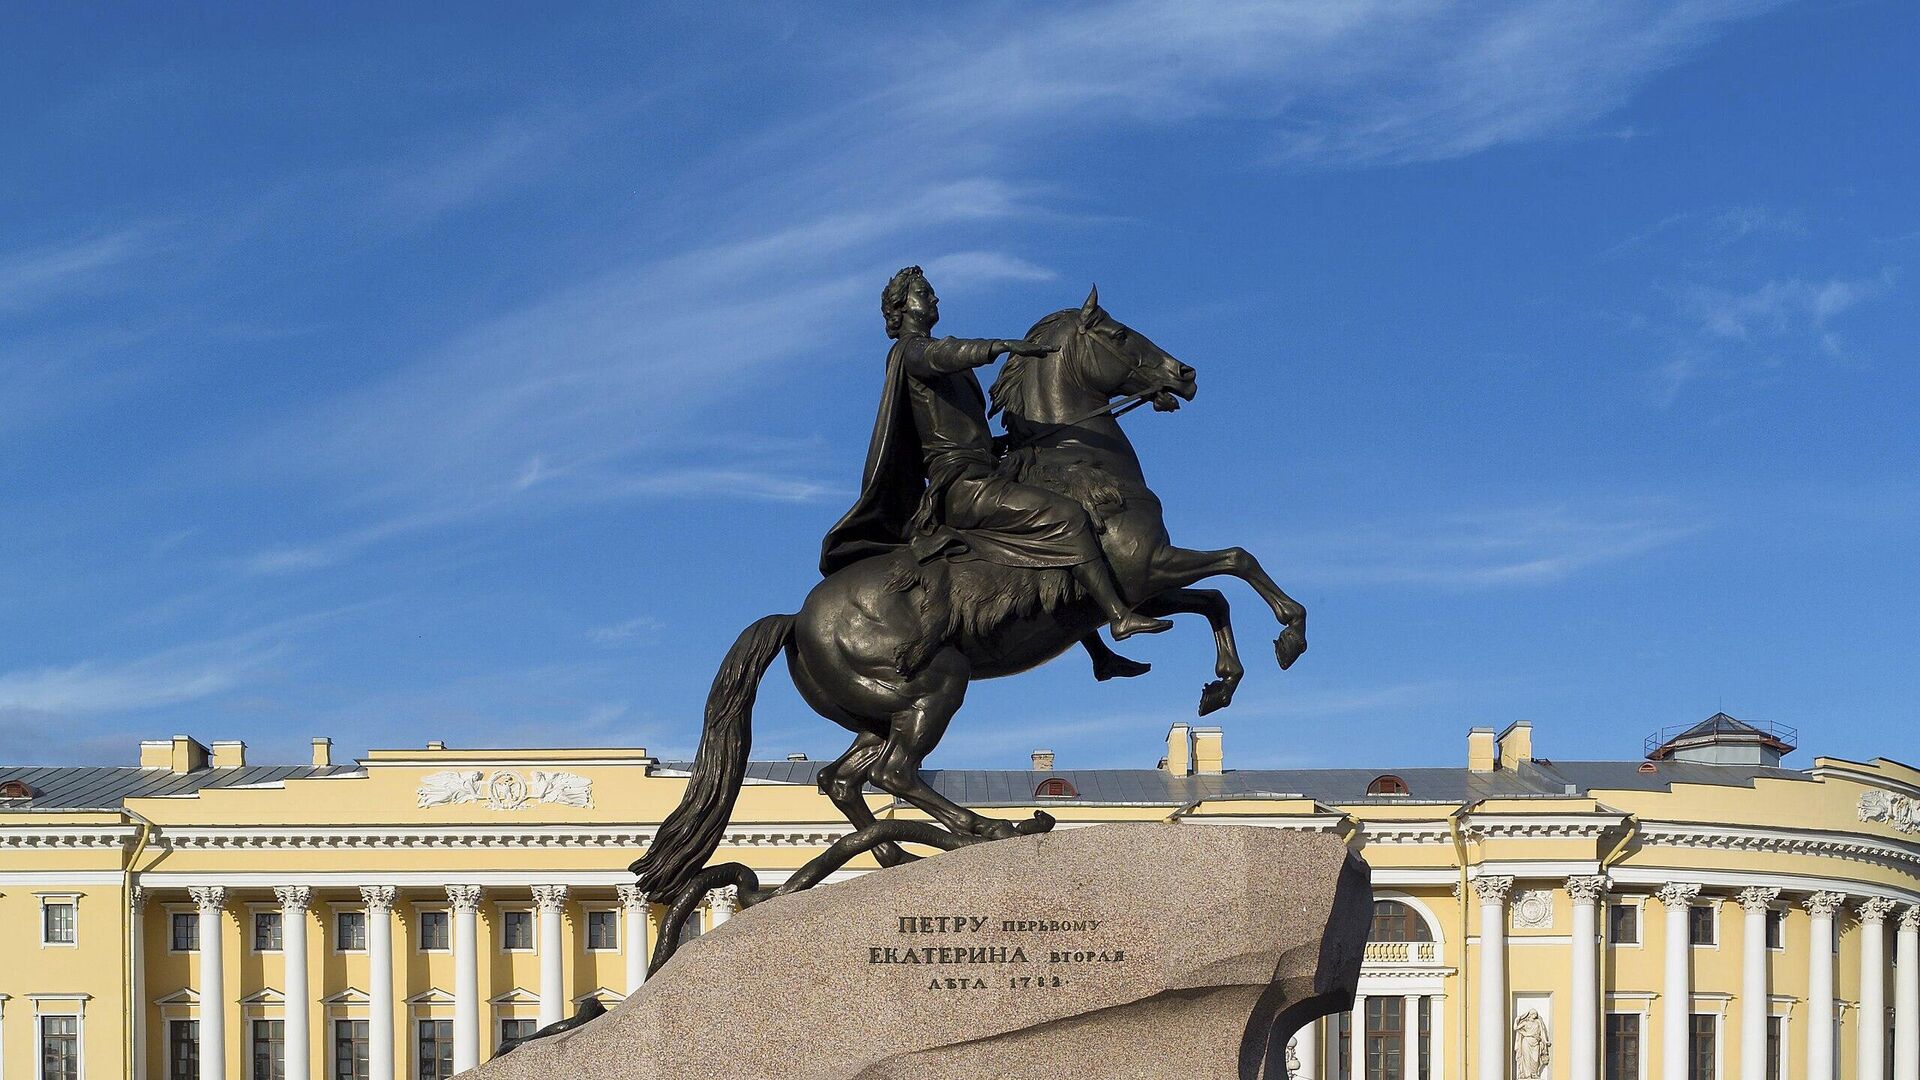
(183, 1050)
(1700, 924)
(434, 1046)
(516, 930)
(1776, 1047)
(603, 931)
(59, 1048)
(1702, 1049)
(350, 931)
(434, 931)
(350, 1050)
(515, 1029)
(1343, 1049)
(266, 931)
(1426, 1036)
(1777, 931)
(269, 1050)
(185, 926)
(1385, 1025)
(1623, 1046)
(1623, 924)
(57, 922)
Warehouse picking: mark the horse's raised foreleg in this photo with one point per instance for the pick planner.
(843, 782)
(1212, 604)
(1175, 568)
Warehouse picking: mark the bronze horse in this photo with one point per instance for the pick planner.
(885, 647)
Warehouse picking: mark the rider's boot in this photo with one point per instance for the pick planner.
(1096, 577)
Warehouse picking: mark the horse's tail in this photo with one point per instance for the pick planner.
(692, 832)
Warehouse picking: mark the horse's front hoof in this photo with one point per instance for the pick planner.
(1289, 645)
(1215, 696)
(1040, 822)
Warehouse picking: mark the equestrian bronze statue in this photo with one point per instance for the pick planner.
(965, 557)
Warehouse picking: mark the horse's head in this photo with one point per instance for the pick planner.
(1122, 361)
(1100, 358)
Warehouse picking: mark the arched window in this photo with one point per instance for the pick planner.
(1388, 784)
(1055, 787)
(1395, 921)
(15, 789)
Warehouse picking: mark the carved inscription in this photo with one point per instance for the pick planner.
(988, 952)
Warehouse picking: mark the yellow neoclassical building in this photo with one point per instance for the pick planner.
(1700, 911)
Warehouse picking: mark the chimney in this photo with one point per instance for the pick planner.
(229, 754)
(1481, 750)
(1516, 744)
(1209, 756)
(156, 753)
(185, 755)
(1043, 761)
(796, 757)
(322, 753)
(1180, 750)
(436, 744)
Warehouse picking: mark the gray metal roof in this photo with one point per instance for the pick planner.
(1154, 787)
(108, 787)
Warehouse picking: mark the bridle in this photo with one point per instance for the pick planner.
(1135, 371)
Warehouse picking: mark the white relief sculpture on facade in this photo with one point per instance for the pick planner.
(1533, 910)
(504, 790)
(1532, 1047)
(1899, 811)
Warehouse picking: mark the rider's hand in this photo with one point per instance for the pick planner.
(1027, 348)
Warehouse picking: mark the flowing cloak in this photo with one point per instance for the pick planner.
(883, 518)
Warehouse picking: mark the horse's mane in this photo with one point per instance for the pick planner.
(1013, 390)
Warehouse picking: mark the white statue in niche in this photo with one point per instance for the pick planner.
(1532, 1049)
(1293, 1057)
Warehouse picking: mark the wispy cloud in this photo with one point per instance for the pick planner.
(188, 673)
(627, 631)
(32, 276)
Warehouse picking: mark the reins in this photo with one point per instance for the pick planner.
(1109, 409)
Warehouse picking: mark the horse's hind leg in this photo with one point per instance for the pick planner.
(843, 781)
(1212, 604)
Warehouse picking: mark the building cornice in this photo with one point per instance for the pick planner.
(1851, 847)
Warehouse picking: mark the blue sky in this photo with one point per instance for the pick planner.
(478, 376)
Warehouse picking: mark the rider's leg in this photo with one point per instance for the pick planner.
(1108, 664)
(1096, 577)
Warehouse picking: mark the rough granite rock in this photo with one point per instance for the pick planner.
(1113, 951)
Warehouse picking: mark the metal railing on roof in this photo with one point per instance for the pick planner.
(1784, 734)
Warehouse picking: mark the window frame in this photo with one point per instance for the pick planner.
(500, 1028)
(417, 1044)
(192, 1023)
(339, 936)
(1776, 918)
(444, 915)
(1712, 1026)
(254, 915)
(333, 1046)
(78, 1015)
(253, 1043)
(1712, 909)
(174, 913)
(1639, 1056)
(1639, 924)
(612, 915)
(70, 901)
(533, 933)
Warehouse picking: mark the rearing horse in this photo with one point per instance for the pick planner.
(885, 647)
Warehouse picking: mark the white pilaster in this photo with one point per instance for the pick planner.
(1437, 1038)
(1872, 1057)
(465, 901)
(551, 902)
(294, 901)
(137, 1008)
(1755, 902)
(1822, 906)
(1583, 1041)
(1410, 1038)
(633, 935)
(1676, 991)
(723, 902)
(1357, 1038)
(212, 902)
(1494, 1021)
(1906, 995)
(380, 1040)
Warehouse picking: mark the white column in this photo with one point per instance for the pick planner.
(465, 900)
(1755, 902)
(633, 935)
(212, 902)
(1410, 1039)
(1822, 906)
(1676, 991)
(294, 900)
(551, 902)
(137, 1008)
(380, 1040)
(1583, 1041)
(1906, 995)
(1494, 1021)
(1357, 1038)
(723, 902)
(1305, 1049)
(1873, 987)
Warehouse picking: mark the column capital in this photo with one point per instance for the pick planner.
(1758, 898)
(208, 897)
(1910, 917)
(1875, 910)
(1493, 888)
(378, 898)
(294, 899)
(1825, 905)
(464, 898)
(1587, 889)
(631, 895)
(137, 898)
(1678, 893)
(550, 898)
(725, 898)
